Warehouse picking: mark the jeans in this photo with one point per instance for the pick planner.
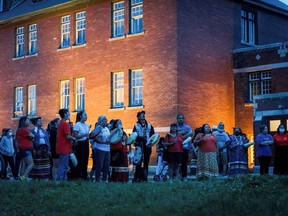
(102, 159)
(63, 167)
(82, 155)
(184, 163)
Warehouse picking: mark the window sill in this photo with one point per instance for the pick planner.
(249, 104)
(18, 58)
(63, 48)
(116, 109)
(117, 38)
(135, 107)
(31, 55)
(248, 44)
(15, 118)
(135, 34)
(78, 45)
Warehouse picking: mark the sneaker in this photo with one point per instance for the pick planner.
(22, 178)
(185, 179)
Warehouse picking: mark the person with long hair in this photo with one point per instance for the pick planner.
(119, 159)
(81, 133)
(52, 131)
(8, 151)
(41, 143)
(25, 146)
(207, 165)
(281, 151)
(264, 151)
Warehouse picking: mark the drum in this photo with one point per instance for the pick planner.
(137, 159)
(116, 136)
(153, 140)
(73, 159)
(119, 174)
(248, 144)
(132, 138)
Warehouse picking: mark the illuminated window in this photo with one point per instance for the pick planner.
(273, 125)
(136, 19)
(118, 19)
(65, 94)
(136, 88)
(20, 42)
(79, 93)
(32, 39)
(248, 27)
(118, 89)
(65, 31)
(81, 28)
(18, 107)
(32, 100)
(259, 84)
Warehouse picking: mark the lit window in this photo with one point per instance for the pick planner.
(80, 94)
(118, 19)
(136, 22)
(18, 108)
(136, 88)
(118, 89)
(64, 94)
(32, 39)
(259, 84)
(20, 42)
(32, 100)
(65, 31)
(248, 27)
(81, 28)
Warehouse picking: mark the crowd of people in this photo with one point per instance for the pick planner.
(46, 154)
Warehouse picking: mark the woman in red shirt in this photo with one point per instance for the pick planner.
(25, 146)
(174, 142)
(281, 151)
(207, 156)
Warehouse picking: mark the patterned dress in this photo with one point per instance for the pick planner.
(237, 154)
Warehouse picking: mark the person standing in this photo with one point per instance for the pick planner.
(281, 151)
(144, 132)
(7, 150)
(63, 144)
(81, 133)
(25, 145)
(185, 131)
(222, 139)
(264, 152)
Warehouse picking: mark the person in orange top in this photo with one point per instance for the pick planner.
(25, 145)
(207, 156)
(281, 151)
(174, 142)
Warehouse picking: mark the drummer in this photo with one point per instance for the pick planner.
(186, 131)
(144, 132)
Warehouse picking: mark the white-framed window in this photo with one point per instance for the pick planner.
(32, 100)
(118, 19)
(248, 27)
(118, 89)
(64, 94)
(136, 22)
(32, 39)
(136, 87)
(20, 42)
(18, 106)
(259, 84)
(80, 28)
(65, 31)
(80, 94)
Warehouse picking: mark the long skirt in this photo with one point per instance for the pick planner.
(238, 161)
(206, 165)
(41, 168)
(119, 166)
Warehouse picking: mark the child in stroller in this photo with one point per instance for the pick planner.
(162, 165)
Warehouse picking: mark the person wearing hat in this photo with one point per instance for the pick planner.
(144, 132)
(101, 145)
(41, 143)
(186, 132)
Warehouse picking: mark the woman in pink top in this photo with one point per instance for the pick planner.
(207, 156)
(174, 142)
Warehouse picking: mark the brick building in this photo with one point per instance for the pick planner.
(116, 58)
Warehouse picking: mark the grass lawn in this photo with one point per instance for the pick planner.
(248, 195)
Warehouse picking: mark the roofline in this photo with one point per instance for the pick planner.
(268, 7)
(261, 47)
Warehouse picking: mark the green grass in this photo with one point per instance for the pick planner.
(241, 196)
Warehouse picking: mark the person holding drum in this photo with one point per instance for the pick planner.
(101, 144)
(186, 132)
(144, 132)
(119, 160)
